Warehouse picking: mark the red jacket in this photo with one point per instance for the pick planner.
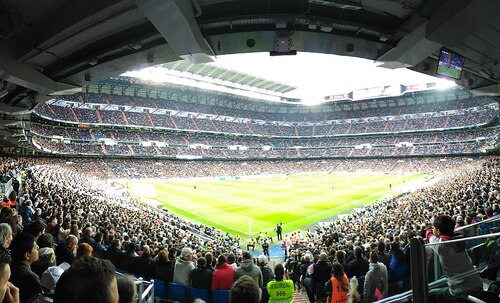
(223, 277)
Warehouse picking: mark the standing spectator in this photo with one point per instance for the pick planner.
(163, 269)
(247, 268)
(84, 249)
(376, 279)
(201, 276)
(267, 275)
(24, 253)
(114, 252)
(455, 262)
(143, 265)
(244, 290)
(183, 267)
(320, 274)
(223, 276)
(359, 266)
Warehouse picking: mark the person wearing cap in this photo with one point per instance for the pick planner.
(267, 275)
(183, 267)
(247, 268)
(280, 290)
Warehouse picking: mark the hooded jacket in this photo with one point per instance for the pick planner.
(376, 277)
(182, 271)
(248, 268)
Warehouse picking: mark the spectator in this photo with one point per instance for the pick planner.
(359, 266)
(88, 280)
(5, 241)
(201, 276)
(46, 258)
(183, 267)
(249, 269)
(114, 252)
(267, 275)
(8, 292)
(320, 274)
(25, 253)
(163, 269)
(376, 280)
(143, 265)
(127, 290)
(84, 249)
(223, 276)
(461, 276)
(245, 290)
(66, 252)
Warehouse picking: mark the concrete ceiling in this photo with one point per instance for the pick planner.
(56, 46)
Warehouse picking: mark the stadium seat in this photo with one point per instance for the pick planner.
(160, 292)
(197, 293)
(176, 292)
(220, 296)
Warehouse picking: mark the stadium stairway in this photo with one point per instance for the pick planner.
(299, 298)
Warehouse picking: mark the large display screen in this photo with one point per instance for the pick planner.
(450, 64)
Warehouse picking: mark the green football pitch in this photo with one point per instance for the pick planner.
(248, 205)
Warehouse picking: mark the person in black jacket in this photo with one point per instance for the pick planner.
(201, 276)
(24, 253)
(66, 252)
(163, 268)
(114, 252)
(321, 273)
(143, 266)
(359, 266)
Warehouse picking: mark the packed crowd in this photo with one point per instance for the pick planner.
(224, 141)
(58, 146)
(377, 107)
(269, 128)
(60, 215)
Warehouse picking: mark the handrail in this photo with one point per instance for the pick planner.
(497, 234)
(495, 218)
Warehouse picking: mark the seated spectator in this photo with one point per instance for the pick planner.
(8, 292)
(183, 267)
(5, 240)
(66, 252)
(88, 280)
(249, 269)
(461, 276)
(46, 258)
(201, 276)
(223, 276)
(24, 253)
(84, 249)
(127, 289)
(244, 290)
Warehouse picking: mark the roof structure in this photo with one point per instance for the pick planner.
(229, 76)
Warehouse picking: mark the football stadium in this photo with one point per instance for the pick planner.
(250, 151)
